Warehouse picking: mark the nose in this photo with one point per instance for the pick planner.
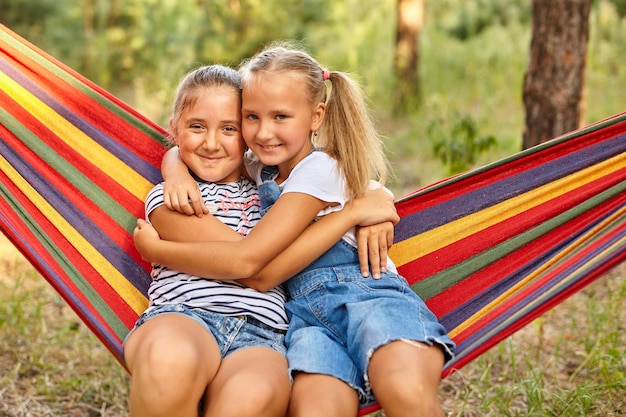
(264, 131)
(210, 143)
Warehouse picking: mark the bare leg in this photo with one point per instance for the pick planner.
(315, 395)
(250, 382)
(405, 378)
(172, 359)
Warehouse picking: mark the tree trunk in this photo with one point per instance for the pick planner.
(555, 79)
(410, 19)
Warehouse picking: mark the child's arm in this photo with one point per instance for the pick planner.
(318, 238)
(180, 190)
(232, 260)
(178, 227)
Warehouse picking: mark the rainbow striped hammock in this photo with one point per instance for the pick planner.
(489, 250)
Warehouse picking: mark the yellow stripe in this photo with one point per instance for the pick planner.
(77, 140)
(420, 245)
(538, 272)
(135, 299)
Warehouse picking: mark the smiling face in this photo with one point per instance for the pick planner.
(208, 134)
(278, 118)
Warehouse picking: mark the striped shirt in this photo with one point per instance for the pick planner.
(237, 205)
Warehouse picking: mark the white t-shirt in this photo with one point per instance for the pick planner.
(318, 175)
(237, 205)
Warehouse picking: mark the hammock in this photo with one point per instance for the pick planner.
(489, 250)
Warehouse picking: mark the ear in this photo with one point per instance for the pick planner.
(318, 116)
(173, 134)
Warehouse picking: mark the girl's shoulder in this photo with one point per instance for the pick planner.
(318, 175)
(317, 163)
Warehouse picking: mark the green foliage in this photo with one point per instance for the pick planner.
(620, 6)
(27, 16)
(465, 19)
(457, 143)
(473, 56)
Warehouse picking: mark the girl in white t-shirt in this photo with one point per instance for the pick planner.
(355, 335)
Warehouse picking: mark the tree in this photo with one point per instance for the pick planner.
(409, 22)
(554, 81)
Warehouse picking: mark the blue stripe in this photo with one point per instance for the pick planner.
(140, 165)
(494, 193)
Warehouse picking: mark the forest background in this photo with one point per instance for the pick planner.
(473, 57)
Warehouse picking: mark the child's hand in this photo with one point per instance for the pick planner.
(183, 195)
(376, 215)
(376, 206)
(373, 245)
(145, 235)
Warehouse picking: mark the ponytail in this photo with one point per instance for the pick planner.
(347, 133)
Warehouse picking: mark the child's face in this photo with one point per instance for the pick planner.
(208, 135)
(278, 118)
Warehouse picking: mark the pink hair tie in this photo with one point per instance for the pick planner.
(325, 74)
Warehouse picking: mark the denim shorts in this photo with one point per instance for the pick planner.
(230, 333)
(338, 319)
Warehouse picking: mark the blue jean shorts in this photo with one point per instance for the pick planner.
(231, 333)
(338, 319)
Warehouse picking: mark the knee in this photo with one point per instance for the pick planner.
(413, 394)
(164, 380)
(168, 363)
(269, 397)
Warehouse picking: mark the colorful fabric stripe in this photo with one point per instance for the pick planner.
(75, 166)
(492, 249)
(489, 250)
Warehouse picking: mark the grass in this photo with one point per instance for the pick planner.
(50, 363)
(570, 362)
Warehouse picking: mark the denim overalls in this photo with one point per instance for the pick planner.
(338, 318)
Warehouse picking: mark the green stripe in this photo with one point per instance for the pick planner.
(68, 171)
(437, 283)
(84, 287)
(71, 80)
(551, 293)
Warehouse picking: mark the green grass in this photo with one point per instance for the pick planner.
(50, 363)
(570, 362)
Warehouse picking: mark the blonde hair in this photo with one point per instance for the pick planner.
(347, 133)
(192, 84)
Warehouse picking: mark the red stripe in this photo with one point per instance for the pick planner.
(47, 261)
(448, 256)
(67, 191)
(480, 282)
(510, 169)
(127, 200)
(87, 272)
(135, 140)
(522, 321)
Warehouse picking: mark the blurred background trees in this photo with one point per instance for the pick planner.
(445, 79)
(555, 78)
